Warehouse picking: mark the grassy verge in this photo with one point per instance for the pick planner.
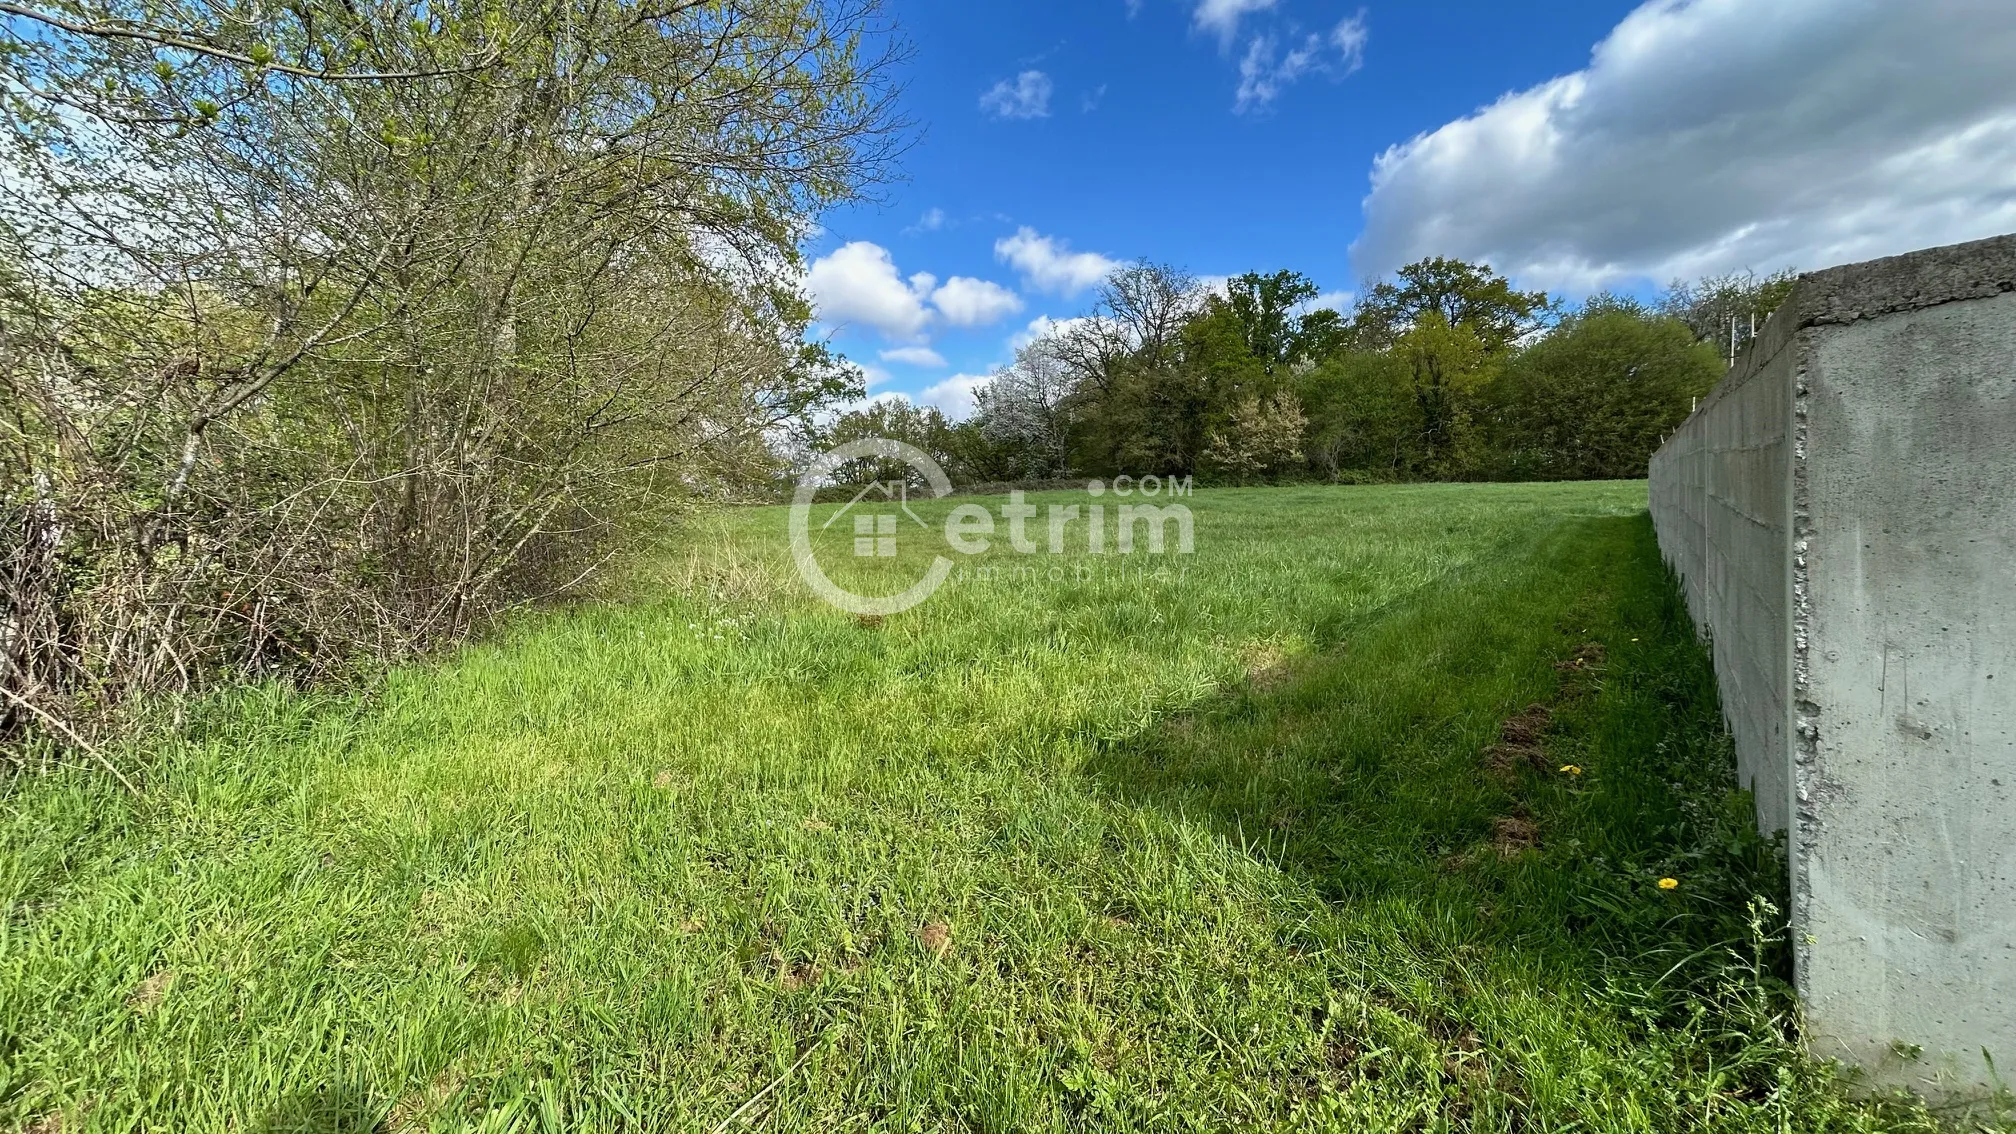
(1247, 844)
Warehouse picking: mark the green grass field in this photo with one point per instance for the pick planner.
(1246, 844)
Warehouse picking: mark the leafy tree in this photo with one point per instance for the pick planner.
(1446, 366)
(1167, 409)
(1595, 398)
(1265, 307)
(1134, 408)
(1321, 334)
(1466, 296)
(923, 427)
(1151, 420)
(1727, 310)
(1362, 417)
(1609, 302)
(1445, 372)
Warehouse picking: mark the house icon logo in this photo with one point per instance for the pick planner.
(875, 532)
(879, 514)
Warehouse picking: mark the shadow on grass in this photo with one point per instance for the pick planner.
(1385, 770)
(340, 1108)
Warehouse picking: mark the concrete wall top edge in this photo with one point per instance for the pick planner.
(1977, 270)
(1835, 296)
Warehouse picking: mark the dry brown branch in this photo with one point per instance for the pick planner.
(65, 730)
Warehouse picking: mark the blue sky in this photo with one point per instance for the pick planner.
(1575, 144)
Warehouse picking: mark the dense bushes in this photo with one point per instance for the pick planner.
(330, 331)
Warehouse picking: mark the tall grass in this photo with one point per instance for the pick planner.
(1240, 845)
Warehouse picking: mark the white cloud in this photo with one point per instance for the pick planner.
(1039, 327)
(933, 219)
(1262, 75)
(954, 396)
(1339, 301)
(873, 376)
(838, 410)
(1048, 264)
(967, 302)
(913, 356)
(1222, 17)
(857, 284)
(1027, 97)
(1716, 135)
(1349, 37)
(1266, 70)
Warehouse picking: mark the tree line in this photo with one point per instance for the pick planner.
(1444, 372)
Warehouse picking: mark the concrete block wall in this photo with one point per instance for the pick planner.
(1842, 512)
(1722, 504)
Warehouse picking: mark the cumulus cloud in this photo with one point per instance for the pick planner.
(1717, 135)
(1338, 301)
(954, 396)
(836, 410)
(1212, 284)
(1048, 264)
(1028, 96)
(1039, 327)
(857, 284)
(1266, 70)
(914, 356)
(967, 302)
(1221, 17)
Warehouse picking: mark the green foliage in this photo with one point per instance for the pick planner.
(955, 448)
(1467, 296)
(1361, 416)
(1446, 372)
(1272, 331)
(1321, 334)
(439, 310)
(1727, 310)
(1447, 364)
(1594, 399)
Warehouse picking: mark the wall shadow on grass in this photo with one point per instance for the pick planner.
(1368, 769)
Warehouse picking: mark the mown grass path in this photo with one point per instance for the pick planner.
(1243, 846)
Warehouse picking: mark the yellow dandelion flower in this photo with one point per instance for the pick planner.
(1669, 883)
(1572, 769)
